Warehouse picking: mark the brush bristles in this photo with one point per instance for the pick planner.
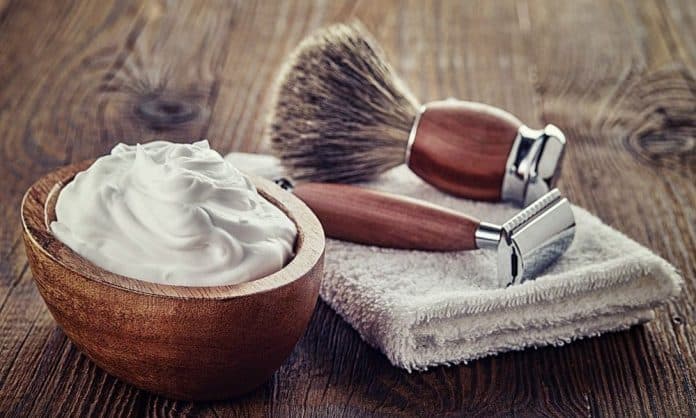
(341, 113)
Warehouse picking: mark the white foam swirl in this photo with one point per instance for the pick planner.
(175, 214)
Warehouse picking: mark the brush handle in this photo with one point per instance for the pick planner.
(365, 216)
(462, 147)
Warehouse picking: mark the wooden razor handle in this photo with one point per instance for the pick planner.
(462, 147)
(365, 216)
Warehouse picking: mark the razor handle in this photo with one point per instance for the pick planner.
(481, 152)
(369, 217)
(525, 245)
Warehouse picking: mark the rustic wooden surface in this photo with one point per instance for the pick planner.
(617, 77)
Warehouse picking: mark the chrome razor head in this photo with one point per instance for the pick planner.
(531, 240)
(533, 165)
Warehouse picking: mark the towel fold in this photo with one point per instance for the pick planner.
(423, 309)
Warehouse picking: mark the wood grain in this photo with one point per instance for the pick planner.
(462, 147)
(618, 77)
(371, 217)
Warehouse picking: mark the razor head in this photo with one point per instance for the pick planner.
(533, 165)
(534, 238)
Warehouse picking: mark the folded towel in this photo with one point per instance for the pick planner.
(424, 309)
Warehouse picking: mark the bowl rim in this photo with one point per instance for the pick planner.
(41, 196)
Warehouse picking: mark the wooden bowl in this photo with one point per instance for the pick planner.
(195, 343)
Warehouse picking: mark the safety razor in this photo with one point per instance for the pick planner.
(531, 240)
(526, 244)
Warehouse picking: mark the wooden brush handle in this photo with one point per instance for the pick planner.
(364, 216)
(462, 147)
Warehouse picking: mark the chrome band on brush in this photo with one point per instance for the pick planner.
(412, 134)
(533, 165)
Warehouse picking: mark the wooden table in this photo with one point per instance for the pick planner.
(617, 77)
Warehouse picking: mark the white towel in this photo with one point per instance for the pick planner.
(423, 309)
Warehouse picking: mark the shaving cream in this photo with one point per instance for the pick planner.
(175, 214)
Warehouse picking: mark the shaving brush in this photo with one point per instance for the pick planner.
(341, 114)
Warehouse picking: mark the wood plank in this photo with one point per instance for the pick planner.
(625, 106)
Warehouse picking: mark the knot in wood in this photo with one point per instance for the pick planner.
(163, 112)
